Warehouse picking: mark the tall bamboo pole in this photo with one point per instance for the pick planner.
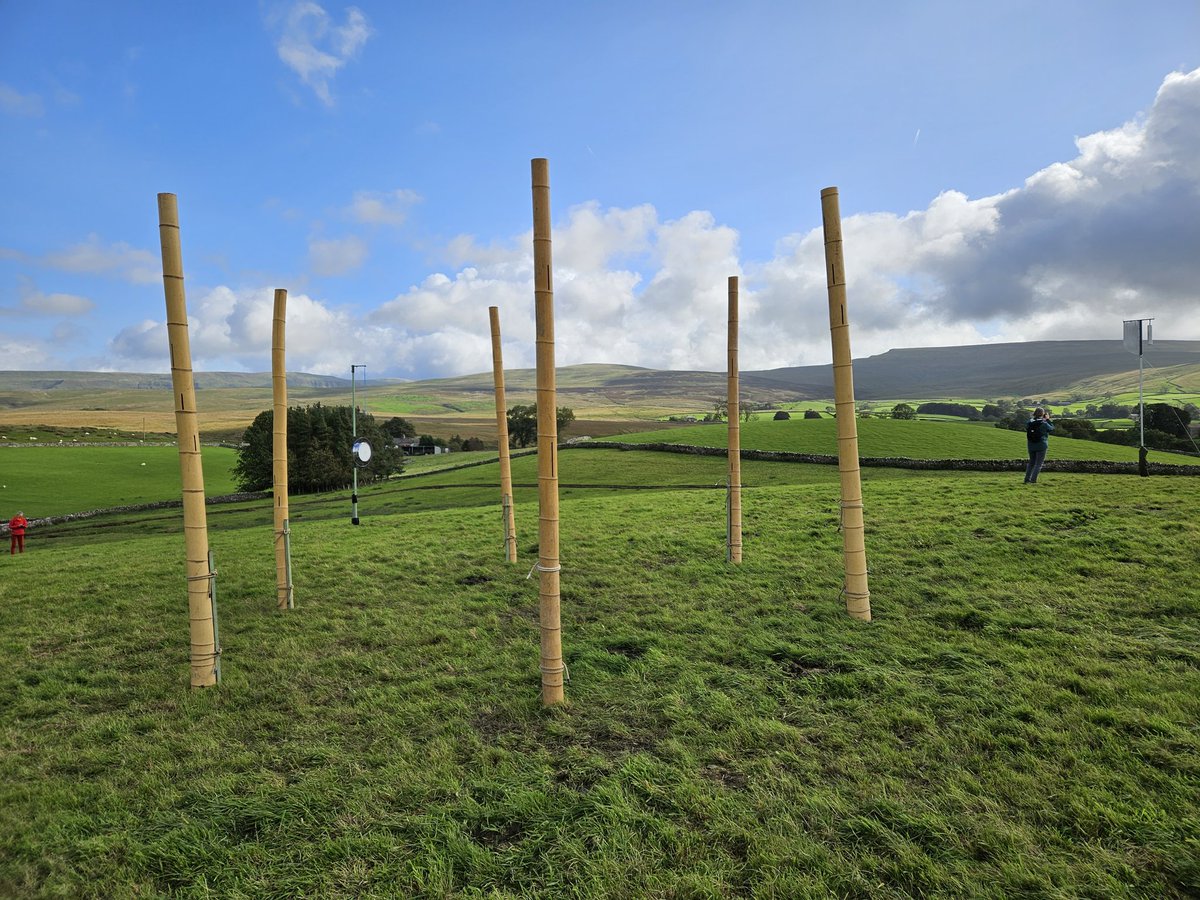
(548, 565)
(506, 490)
(858, 595)
(734, 538)
(279, 461)
(205, 654)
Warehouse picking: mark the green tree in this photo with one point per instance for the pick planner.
(1114, 411)
(563, 416)
(1167, 418)
(522, 423)
(398, 427)
(319, 450)
(903, 411)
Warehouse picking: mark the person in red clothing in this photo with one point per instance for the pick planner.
(16, 527)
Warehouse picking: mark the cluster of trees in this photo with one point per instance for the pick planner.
(319, 442)
(720, 411)
(522, 423)
(1167, 427)
(398, 427)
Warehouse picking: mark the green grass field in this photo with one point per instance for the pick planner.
(53, 480)
(894, 437)
(1018, 719)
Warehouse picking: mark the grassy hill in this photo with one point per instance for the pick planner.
(1018, 720)
(53, 481)
(895, 437)
(1033, 368)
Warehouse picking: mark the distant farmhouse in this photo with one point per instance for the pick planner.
(413, 447)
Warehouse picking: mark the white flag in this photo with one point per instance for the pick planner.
(1133, 336)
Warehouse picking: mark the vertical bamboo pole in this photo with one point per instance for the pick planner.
(205, 653)
(858, 595)
(279, 466)
(549, 615)
(734, 538)
(506, 498)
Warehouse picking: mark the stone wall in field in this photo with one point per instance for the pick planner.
(1090, 467)
(138, 507)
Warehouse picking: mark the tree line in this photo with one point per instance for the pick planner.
(1167, 426)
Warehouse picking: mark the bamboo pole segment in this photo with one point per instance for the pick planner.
(506, 495)
(205, 653)
(549, 614)
(854, 552)
(279, 461)
(734, 537)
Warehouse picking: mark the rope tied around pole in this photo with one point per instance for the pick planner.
(842, 507)
(560, 669)
(854, 595)
(538, 567)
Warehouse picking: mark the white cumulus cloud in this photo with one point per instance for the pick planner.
(120, 260)
(382, 207)
(1109, 234)
(312, 46)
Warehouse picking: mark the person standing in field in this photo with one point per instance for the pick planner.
(16, 527)
(1037, 437)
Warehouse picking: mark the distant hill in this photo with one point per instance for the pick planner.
(1033, 369)
(127, 381)
(983, 370)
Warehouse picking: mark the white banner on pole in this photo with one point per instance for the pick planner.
(1133, 336)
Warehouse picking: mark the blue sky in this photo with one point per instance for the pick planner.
(1007, 171)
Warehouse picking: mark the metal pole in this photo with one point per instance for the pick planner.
(287, 552)
(353, 438)
(212, 596)
(1143, 469)
(734, 410)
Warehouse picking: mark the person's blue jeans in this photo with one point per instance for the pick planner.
(1037, 456)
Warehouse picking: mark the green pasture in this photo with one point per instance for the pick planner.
(914, 439)
(52, 480)
(1017, 721)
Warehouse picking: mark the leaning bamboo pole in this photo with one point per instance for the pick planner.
(548, 565)
(734, 409)
(279, 460)
(506, 490)
(854, 551)
(205, 654)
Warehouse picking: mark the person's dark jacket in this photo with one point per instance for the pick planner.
(1045, 426)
